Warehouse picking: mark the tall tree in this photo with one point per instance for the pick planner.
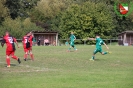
(3, 11)
(20, 7)
(85, 19)
(13, 6)
(17, 27)
(49, 9)
(46, 10)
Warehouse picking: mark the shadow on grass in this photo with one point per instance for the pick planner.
(97, 59)
(10, 65)
(71, 51)
(28, 59)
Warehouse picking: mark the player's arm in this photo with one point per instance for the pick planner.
(32, 35)
(91, 38)
(74, 38)
(16, 42)
(31, 40)
(23, 40)
(3, 42)
(106, 45)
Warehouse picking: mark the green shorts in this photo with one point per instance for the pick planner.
(72, 44)
(97, 50)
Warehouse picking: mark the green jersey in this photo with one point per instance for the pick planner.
(72, 38)
(99, 42)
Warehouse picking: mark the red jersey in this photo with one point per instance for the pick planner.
(30, 40)
(9, 40)
(26, 42)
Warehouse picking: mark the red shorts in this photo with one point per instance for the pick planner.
(27, 49)
(10, 53)
(31, 48)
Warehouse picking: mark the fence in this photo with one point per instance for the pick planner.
(85, 42)
(88, 42)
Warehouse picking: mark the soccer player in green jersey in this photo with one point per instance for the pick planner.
(99, 42)
(72, 39)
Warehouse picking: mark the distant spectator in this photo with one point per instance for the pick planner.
(54, 43)
(46, 42)
(38, 42)
(34, 41)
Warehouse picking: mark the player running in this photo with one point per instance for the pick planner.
(10, 48)
(99, 42)
(72, 39)
(27, 45)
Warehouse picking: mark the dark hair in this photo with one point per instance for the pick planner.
(27, 33)
(97, 35)
(6, 31)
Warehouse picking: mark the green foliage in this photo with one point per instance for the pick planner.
(85, 21)
(3, 10)
(16, 20)
(131, 16)
(84, 17)
(47, 9)
(17, 27)
(13, 6)
(20, 7)
(37, 16)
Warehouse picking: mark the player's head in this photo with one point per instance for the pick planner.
(30, 33)
(27, 33)
(97, 35)
(72, 32)
(7, 33)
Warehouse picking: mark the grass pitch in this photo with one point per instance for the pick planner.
(55, 68)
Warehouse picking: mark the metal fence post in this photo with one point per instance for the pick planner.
(110, 41)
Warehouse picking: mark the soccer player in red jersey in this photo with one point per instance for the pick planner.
(30, 40)
(27, 45)
(10, 49)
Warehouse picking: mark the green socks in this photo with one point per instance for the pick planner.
(105, 53)
(93, 57)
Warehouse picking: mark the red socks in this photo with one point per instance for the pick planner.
(8, 61)
(25, 56)
(32, 57)
(15, 57)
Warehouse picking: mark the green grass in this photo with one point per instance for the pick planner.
(55, 68)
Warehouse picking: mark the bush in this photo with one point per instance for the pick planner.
(17, 27)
